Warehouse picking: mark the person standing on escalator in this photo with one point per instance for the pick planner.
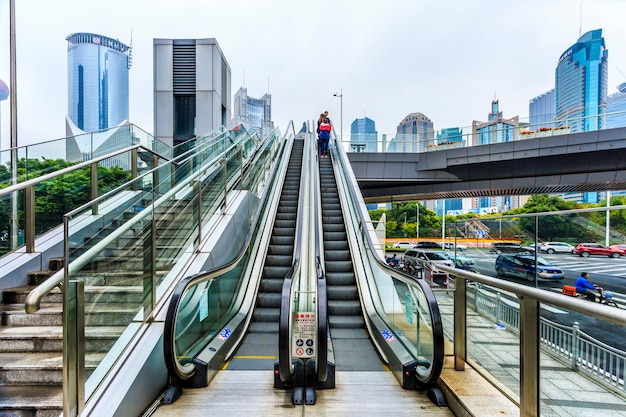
(324, 136)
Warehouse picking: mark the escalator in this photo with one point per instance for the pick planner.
(351, 342)
(259, 347)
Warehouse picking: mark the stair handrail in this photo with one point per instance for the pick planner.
(33, 300)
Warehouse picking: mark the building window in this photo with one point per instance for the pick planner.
(184, 117)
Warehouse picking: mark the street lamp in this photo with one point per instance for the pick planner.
(340, 95)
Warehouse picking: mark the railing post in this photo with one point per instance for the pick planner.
(529, 357)
(29, 219)
(197, 207)
(498, 307)
(155, 175)
(74, 348)
(460, 325)
(134, 161)
(93, 186)
(225, 171)
(149, 267)
(574, 347)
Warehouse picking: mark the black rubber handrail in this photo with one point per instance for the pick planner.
(169, 336)
(284, 325)
(433, 307)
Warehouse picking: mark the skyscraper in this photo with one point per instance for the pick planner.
(616, 108)
(363, 135)
(497, 129)
(97, 82)
(581, 84)
(414, 133)
(191, 88)
(541, 111)
(254, 113)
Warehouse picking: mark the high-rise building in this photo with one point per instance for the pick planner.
(191, 89)
(497, 129)
(414, 133)
(541, 111)
(363, 135)
(616, 108)
(581, 84)
(97, 82)
(254, 113)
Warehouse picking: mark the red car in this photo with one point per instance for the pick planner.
(586, 249)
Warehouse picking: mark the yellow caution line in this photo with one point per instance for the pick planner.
(245, 357)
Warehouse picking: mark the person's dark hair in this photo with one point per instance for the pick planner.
(584, 274)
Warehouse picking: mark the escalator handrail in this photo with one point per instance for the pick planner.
(285, 370)
(322, 294)
(433, 307)
(169, 336)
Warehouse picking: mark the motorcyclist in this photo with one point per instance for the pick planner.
(583, 286)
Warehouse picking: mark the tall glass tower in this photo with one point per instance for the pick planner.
(541, 111)
(97, 81)
(254, 113)
(363, 135)
(414, 133)
(581, 84)
(616, 105)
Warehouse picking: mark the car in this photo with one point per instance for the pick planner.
(403, 245)
(429, 258)
(586, 249)
(428, 244)
(556, 247)
(453, 246)
(523, 266)
(618, 246)
(508, 247)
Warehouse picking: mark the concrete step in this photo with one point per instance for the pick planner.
(52, 314)
(50, 338)
(93, 293)
(31, 401)
(42, 368)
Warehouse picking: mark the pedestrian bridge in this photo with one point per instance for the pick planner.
(574, 162)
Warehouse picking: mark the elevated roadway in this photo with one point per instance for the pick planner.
(576, 162)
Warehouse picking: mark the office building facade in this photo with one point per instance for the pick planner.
(496, 129)
(254, 113)
(414, 133)
(192, 89)
(616, 108)
(97, 82)
(581, 84)
(363, 135)
(541, 111)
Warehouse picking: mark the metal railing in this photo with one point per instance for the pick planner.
(576, 348)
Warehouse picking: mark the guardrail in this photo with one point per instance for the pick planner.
(582, 352)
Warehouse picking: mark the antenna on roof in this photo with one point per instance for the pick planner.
(130, 48)
(580, 24)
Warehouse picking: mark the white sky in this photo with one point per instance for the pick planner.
(444, 58)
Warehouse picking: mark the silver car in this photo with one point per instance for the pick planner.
(429, 258)
(559, 247)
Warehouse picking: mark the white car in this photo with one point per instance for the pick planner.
(429, 258)
(560, 247)
(404, 245)
(452, 246)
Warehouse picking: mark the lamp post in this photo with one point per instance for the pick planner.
(340, 95)
(13, 89)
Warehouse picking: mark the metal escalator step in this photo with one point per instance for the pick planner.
(263, 327)
(265, 314)
(336, 255)
(340, 278)
(344, 308)
(339, 266)
(336, 245)
(271, 285)
(335, 236)
(280, 250)
(334, 228)
(282, 240)
(284, 231)
(269, 299)
(275, 271)
(342, 292)
(346, 322)
(279, 260)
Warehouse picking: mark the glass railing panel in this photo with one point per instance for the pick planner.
(12, 222)
(213, 189)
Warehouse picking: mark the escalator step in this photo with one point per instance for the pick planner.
(271, 285)
(347, 292)
(279, 260)
(340, 278)
(336, 245)
(265, 314)
(344, 308)
(269, 299)
(346, 322)
(339, 266)
(337, 255)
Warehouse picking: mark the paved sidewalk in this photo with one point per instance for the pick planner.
(496, 352)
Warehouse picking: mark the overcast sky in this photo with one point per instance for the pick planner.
(447, 59)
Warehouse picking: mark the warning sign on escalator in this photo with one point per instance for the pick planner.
(303, 340)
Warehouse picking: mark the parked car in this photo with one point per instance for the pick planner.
(508, 247)
(429, 258)
(403, 245)
(451, 246)
(523, 266)
(556, 247)
(586, 249)
(428, 244)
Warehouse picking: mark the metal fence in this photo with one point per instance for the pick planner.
(582, 352)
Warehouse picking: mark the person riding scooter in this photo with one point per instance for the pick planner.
(583, 286)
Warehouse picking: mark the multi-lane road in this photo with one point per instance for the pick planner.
(607, 272)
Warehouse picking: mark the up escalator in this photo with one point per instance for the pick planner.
(259, 347)
(351, 342)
